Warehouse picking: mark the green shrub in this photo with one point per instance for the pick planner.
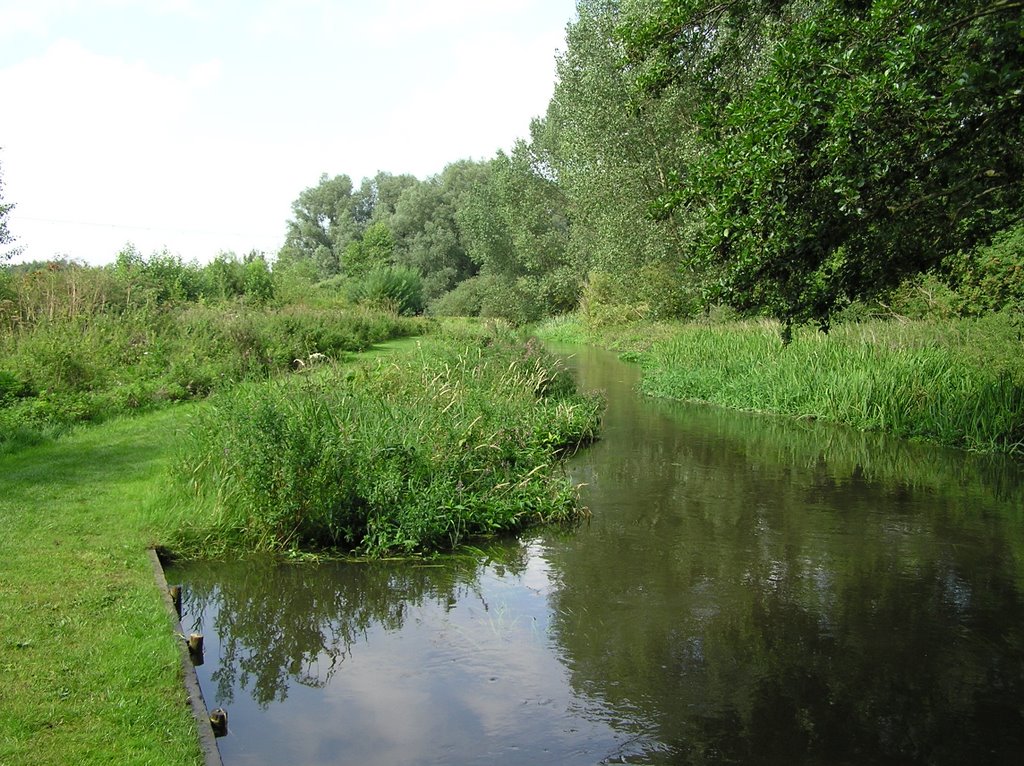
(464, 300)
(992, 277)
(414, 453)
(399, 289)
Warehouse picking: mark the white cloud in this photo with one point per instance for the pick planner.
(143, 125)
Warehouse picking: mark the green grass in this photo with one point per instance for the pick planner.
(90, 669)
(454, 440)
(954, 382)
(90, 666)
(56, 373)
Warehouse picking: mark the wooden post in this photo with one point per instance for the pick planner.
(175, 591)
(219, 721)
(195, 648)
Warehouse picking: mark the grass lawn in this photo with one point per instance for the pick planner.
(90, 668)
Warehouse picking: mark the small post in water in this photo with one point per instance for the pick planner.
(195, 648)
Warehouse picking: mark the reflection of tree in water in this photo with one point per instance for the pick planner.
(281, 623)
(776, 601)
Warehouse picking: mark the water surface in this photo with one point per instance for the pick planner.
(747, 590)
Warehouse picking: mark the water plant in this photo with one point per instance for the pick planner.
(456, 439)
(948, 382)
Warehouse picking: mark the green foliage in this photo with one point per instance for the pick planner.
(373, 252)
(428, 237)
(612, 148)
(397, 289)
(951, 383)
(324, 223)
(464, 300)
(84, 343)
(418, 452)
(868, 143)
(992, 277)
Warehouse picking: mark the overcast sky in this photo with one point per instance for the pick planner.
(194, 124)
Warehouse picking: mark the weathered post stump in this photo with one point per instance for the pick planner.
(219, 721)
(195, 648)
(175, 591)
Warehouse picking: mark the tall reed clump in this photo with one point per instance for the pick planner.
(956, 383)
(415, 452)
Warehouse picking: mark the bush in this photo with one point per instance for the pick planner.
(992, 277)
(414, 453)
(399, 289)
(464, 300)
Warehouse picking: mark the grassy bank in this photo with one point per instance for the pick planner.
(61, 371)
(415, 452)
(91, 672)
(430, 445)
(954, 382)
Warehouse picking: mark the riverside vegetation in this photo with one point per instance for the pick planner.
(954, 382)
(855, 166)
(120, 398)
(410, 453)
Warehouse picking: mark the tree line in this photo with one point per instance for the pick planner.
(780, 158)
(786, 158)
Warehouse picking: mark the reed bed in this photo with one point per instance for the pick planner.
(956, 383)
(415, 452)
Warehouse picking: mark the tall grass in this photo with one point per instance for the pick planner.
(57, 372)
(958, 383)
(415, 452)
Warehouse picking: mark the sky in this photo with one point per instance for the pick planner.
(192, 125)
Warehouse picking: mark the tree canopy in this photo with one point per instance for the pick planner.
(781, 157)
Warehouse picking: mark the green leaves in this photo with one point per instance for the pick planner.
(861, 144)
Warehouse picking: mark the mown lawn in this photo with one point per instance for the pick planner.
(89, 663)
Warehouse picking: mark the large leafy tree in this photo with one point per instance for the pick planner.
(872, 139)
(516, 227)
(613, 147)
(324, 222)
(426, 233)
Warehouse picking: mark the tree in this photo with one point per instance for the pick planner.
(612, 148)
(872, 140)
(374, 251)
(325, 221)
(515, 226)
(426, 233)
(6, 237)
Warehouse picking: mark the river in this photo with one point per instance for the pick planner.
(747, 589)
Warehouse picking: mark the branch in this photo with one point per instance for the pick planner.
(992, 9)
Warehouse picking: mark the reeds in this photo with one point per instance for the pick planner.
(418, 451)
(956, 383)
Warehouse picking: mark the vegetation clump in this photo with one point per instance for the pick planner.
(84, 343)
(418, 451)
(950, 382)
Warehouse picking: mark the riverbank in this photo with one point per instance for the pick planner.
(91, 670)
(958, 382)
(90, 664)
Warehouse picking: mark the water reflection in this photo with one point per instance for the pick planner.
(747, 591)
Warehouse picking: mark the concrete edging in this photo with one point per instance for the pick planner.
(207, 740)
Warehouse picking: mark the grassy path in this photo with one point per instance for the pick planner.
(89, 665)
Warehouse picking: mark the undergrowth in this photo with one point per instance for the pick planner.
(958, 382)
(55, 373)
(456, 440)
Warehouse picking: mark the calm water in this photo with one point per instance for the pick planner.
(748, 590)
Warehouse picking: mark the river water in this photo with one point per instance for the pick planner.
(747, 590)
